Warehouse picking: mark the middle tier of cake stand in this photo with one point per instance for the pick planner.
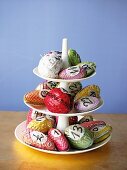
(63, 120)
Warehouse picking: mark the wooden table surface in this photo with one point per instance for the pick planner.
(16, 156)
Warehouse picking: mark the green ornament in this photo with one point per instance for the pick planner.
(73, 57)
(89, 66)
(79, 137)
(74, 88)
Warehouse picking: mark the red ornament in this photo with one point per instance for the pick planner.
(92, 124)
(73, 120)
(58, 101)
(59, 139)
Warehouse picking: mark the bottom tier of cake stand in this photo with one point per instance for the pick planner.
(19, 135)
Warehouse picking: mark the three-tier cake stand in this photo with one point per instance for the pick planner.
(63, 119)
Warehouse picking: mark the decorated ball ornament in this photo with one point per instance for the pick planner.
(74, 72)
(58, 101)
(79, 137)
(92, 124)
(38, 140)
(74, 88)
(34, 99)
(90, 90)
(50, 64)
(59, 139)
(86, 118)
(73, 120)
(99, 128)
(90, 67)
(35, 115)
(85, 104)
(101, 133)
(73, 57)
(41, 124)
(47, 85)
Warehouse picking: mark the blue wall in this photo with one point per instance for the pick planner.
(97, 29)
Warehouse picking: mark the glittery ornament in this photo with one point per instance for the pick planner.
(73, 57)
(90, 67)
(86, 118)
(38, 140)
(47, 85)
(85, 104)
(91, 90)
(59, 139)
(33, 98)
(41, 124)
(74, 72)
(79, 137)
(57, 101)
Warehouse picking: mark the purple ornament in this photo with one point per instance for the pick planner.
(85, 104)
(74, 72)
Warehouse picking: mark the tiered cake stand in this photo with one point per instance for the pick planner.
(63, 119)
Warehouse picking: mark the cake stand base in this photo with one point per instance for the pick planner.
(19, 131)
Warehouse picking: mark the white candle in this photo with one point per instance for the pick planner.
(65, 53)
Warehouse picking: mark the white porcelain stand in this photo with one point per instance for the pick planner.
(63, 122)
(63, 118)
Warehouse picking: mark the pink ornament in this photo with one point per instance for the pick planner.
(59, 139)
(92, 124)
(38, 140)
(74, 72)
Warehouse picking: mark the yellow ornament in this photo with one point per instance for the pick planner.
(41, 125)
